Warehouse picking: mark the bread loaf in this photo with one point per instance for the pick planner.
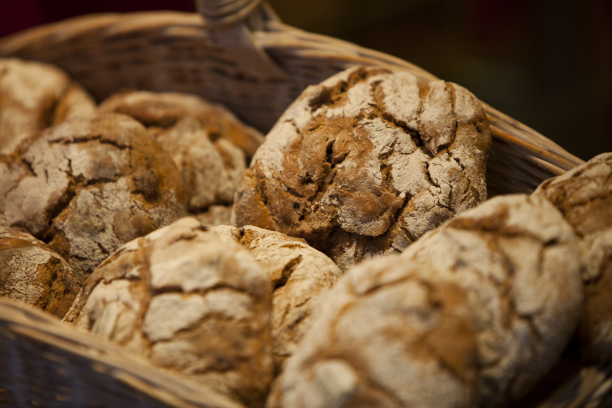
(367, 162)
(89, 185)
(518, 260)
(299, 274)
(207, 143)
(390, 334)
(34, 96)
(34, 274)
(584, 196)
(190, 301)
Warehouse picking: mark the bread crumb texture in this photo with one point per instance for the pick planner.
(34, 274)
(209, 145)
(584, 196)
(299, 275)
(519, 262)
(190, 301)
(366, 162)
(389, 334)
(89, 185)
(34, 96)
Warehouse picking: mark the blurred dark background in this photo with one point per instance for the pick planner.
(547, 63)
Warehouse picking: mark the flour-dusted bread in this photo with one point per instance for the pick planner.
(33, 96)
(299, 274)
(390, 334)
(89, 185)
(367, 162)
(208, 144)
(190, 301)
(519, 261)
(34, 274)
(159, 111)
(584, 196)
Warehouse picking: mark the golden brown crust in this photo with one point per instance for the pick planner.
(366, 162)
(89, 185)
(32, 273)
(190, 301)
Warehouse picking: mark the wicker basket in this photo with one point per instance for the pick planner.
(241, 55)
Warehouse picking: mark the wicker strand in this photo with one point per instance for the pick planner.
(230, 24)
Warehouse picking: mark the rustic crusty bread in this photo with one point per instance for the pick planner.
(390, 334)
(190, 301)
(208, 144)
(367, 162)
(519, 262)
(159, 111)
(34, 274)
(299, 274)
(584, 196)
(33, 96)
(89, 185)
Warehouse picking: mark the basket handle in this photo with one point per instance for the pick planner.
(231, 24)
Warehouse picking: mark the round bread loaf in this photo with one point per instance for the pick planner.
(33, 96)
(390, 334)
(519, 261)
(190, 301)
(34, 274)
(161, 111)
(367, 162)
(299, 274)
(584, 196)
(89, 185)
(207, 143)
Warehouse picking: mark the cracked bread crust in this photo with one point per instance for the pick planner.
(389, 334)
(299, 274)
(34, 96)
(161, 111)
(519, 261)
(89, 185)
(34, 274)
(207, 143)
(190, 301)
(367, 162)
(584, 196)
